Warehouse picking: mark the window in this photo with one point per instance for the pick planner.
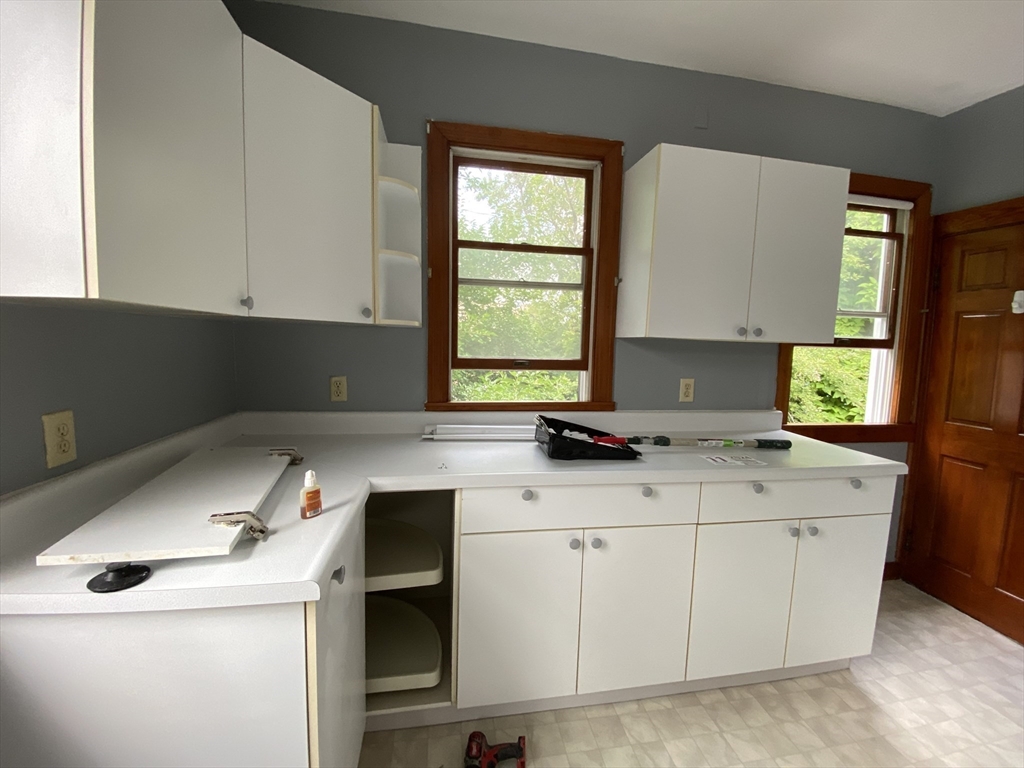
(523, 247)
(855, 381)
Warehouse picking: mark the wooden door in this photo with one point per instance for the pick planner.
(635, 608)
(309, 192)
(798, 247)
(967, 542)
(519, 615)
(742, 583)
(838, 580)
(704, 216)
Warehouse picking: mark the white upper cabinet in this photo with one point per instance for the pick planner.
(724, 246)
(131, 136)
(309, 192)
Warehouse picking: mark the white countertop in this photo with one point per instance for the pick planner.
(294, 559)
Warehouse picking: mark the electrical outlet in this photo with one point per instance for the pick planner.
(339, 389)
(686, 390)
(59, 438)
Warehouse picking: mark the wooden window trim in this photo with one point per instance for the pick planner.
(442, 137)
(914, 295)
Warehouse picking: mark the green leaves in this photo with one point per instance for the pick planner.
(829, 385)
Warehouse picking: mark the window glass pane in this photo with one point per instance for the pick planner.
(829, 385)
(876, 221)
(531, 267)
(861, 327)
(864, 276)
(511, 386)
(519, 323)
(517, 207)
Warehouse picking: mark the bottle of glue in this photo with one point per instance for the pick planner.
(310, 504)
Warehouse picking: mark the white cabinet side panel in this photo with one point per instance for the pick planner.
(798, 248)
(836, 589)
(223, 687)
(639, 191)
(636, 606)
(341, 653)
(309, 192)
(703, 243)
(742, 582)
(519, 608)
(169, 167)
(41, 251)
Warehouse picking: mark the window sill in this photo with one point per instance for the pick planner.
(855, 433)
(543, 406)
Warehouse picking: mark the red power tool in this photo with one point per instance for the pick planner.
(480, 754)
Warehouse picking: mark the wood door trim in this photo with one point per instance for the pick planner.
(855, 433)
(992, 216)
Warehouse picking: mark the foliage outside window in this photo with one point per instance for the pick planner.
(851, 381)
(522, 265)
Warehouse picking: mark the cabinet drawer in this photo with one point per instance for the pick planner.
(784, 499)
(523, 508)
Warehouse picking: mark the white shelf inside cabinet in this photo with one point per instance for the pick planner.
(403, 647)
(398, 216)
(399, 288)
(400, 556)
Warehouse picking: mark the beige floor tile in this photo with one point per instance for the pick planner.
(803, 737)
(685, 753)
(544, 740)
(716, 750)
(377, 755)
(540, 718)
(669, 724)
(830, 730)
(601, 710)
(591, 759)
(746, 745)
(627, 707)
(570, 715)
(753, 714)
(608, 732)
(660, 702)
(803, 704)
(763, 763)
(444, 729)
(485, 726)
(551, 761)
(406, 753)
(639, 728)
(776, 742)
(883, 753)
(446, 752)
(911, 747)
(578, 736)
(708, 697)
(778, 709)
(725, 716)
(818, 758)
(373, 738)
(412, 734)
(653, 754)
(620, 757)
(682, 700)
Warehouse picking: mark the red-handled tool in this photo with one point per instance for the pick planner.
(480, 754)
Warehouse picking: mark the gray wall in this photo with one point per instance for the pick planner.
(437, 74)
(130, 378)
(981, 154)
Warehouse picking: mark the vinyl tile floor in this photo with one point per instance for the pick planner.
(940, 689)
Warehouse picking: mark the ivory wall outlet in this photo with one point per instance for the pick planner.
(59, 438)
(686, 390)
(339, 389)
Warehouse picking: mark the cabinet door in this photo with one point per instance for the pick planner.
(519, 612)
(337, 716)
(835, 593)
(635, 608)
(742, 582)
(165, 207)
(309, 192)
(798, 247)
(703, 243)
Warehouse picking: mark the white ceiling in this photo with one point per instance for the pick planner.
(934, 56)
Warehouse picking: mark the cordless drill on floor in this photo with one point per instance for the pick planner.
(480, 754)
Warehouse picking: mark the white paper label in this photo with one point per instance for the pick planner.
(743, 461)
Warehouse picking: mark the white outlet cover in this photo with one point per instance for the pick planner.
(339, 389)
(686, 390)
(59, 438)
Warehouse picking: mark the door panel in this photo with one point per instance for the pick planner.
(519, 613)
(635, 608)
(836, 588)
(742, 583)
(967, 541)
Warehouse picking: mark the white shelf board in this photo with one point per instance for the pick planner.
(405, 323)
(399, 288)
(400, 556)
(389, 185)
(403, 647)
(398, 254)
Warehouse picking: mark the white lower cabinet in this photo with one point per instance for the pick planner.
(519, 607)
(836, 589)
(742, 582)
(634, 613)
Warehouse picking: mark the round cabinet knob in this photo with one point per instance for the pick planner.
(856, 483)
(647, 491)
(741, 331)
(596, 543)
(758, 332)
(527, 494)
(575, 543)
(758, 487)
(812, 530)
(367, 312)
(247, 302)
(794, 532)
